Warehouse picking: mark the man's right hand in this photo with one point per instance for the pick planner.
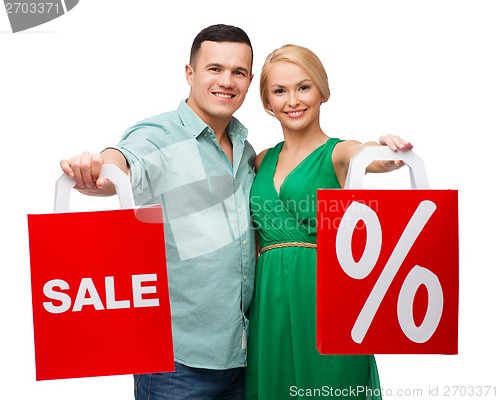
(85, 169)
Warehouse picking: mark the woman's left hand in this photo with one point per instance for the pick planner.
(395, 143)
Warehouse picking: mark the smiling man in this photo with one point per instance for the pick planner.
(196, 162)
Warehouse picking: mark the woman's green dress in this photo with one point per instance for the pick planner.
(283, 361)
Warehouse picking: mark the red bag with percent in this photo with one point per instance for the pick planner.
(99, 288)
(387, 277)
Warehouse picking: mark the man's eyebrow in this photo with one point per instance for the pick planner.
(244, 69)
(217, 65)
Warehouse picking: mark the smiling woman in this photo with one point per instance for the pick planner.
(282, 345)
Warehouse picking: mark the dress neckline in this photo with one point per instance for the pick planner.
(278, 192)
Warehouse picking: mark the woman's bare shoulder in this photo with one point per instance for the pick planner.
(259, 158)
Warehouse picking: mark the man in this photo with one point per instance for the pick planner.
(197, 163)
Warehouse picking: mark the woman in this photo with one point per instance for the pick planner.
(282, 358)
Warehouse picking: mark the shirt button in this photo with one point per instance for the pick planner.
(239, 210)
(245, 242)
(245, 277)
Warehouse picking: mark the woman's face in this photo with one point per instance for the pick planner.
(292, 96)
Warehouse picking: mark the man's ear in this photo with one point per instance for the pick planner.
(189, 71)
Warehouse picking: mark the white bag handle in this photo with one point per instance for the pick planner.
(110, 171)
(358, 164)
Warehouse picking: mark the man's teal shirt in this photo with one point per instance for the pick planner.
(176, 161)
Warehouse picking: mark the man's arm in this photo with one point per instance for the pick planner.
(85, 169)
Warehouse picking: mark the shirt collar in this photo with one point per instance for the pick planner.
(235, 129)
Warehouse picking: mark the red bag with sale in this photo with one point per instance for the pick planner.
(387, 278)
(99, 288)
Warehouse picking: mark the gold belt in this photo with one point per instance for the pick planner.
(287, 244)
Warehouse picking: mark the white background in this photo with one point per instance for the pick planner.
(426, 70)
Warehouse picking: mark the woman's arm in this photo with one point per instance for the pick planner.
(345, 151)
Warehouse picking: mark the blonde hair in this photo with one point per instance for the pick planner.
(302, 57)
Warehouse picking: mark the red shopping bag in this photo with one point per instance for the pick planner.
(99, 288)
(387, 278)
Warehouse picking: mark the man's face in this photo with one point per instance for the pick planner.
(219, 78)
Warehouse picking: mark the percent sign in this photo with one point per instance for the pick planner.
(416, 277)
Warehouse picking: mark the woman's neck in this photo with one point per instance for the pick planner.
(299, 141)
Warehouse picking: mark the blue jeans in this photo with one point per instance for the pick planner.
(188, 383)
